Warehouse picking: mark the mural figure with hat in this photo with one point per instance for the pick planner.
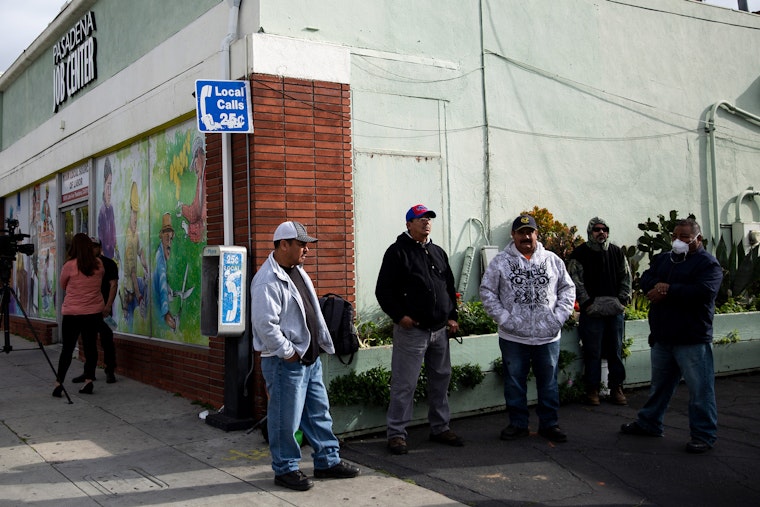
(106, 222)
(195, 212)
(162, 292)
(134, 288)
(47, 218)
(529, 293)
(415, 287)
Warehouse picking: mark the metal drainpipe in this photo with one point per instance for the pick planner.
(750, 192)
(712, 176)
(486, 129)
(232, 36)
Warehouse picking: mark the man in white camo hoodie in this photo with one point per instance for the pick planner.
(530, 295)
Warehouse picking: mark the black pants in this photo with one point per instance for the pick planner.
(109, 351)
(71, 327)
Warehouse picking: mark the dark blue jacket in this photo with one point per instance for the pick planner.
(685, 316)
(417, 281)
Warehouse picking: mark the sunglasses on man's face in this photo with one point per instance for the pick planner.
(600, 229)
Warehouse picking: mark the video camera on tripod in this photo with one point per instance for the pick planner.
(11, 243)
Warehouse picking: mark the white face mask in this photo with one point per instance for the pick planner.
(680, 247)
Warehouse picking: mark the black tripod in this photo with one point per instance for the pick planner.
(6, 292)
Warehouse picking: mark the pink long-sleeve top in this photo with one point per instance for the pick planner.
(83, 296)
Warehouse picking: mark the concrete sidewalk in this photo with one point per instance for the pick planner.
(132, 444)
(597, 465)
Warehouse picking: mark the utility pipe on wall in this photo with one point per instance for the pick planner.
(712, 172)
(746, 193)
(232, 36)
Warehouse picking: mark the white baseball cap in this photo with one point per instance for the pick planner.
(293, 230)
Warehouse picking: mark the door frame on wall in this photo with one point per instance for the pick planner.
(81, 224)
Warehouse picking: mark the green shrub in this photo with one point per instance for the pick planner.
(556, 236)
(372, 387)
(638, 308)
(374, 334)
(732, 337)
(473, 319)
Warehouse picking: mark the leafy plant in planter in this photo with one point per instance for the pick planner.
(657, 235)
(638, 308)
(556, 236)
(374, 334)
(738, 306)
(741, 274)
(473, 319)
(372, 387)
(731, 337)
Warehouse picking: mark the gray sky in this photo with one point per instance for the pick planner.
(21, 21)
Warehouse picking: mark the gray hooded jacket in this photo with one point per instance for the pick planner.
(530, 299)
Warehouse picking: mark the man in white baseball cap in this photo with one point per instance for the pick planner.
(289, 331)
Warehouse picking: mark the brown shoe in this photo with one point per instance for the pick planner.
(448, 437)
(617, 397)
(397, 445)
(592, 397)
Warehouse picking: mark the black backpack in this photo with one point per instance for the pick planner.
(339, 316)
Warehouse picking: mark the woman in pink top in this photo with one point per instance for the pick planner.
(82, 309)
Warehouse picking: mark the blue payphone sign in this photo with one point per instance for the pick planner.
(231, 288)
(224, 106)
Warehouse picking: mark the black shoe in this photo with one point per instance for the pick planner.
(110, 378)
(340, 471)
(296, 480)
(554, 434)
(513, 433)
(397, 445)
(633, 428)
(447, 437)
(78, 380)
(695, 446)
(57, 391)
(87, 389)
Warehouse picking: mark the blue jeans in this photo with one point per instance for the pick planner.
(298, 398)
(602, 337)
(518, 360)
(410, 348)
(695, 364)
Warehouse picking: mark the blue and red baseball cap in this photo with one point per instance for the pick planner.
(419, 211)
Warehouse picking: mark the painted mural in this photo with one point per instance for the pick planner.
(35, 277)
(151, 220)
(150, 209)
(179, 209)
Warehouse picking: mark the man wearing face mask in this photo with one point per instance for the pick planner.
(602, 288)
(682, 285)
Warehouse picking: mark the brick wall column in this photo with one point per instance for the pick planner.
(296, 166)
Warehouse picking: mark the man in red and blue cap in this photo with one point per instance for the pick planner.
(416, 289)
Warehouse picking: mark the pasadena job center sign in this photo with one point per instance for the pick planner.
(74, 59)
(224, 106)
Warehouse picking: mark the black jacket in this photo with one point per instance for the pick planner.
(417, 281)
(685, 316)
